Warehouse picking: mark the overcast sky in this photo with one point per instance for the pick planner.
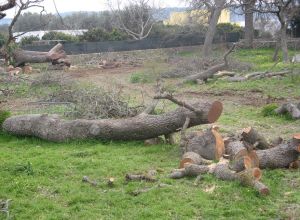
(90, 5)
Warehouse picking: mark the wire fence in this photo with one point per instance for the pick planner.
(149, 43)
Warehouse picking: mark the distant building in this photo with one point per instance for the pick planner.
(40, 34)
(200, 16)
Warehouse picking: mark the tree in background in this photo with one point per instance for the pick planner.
(214, 9)
(135, 17)
(284, 10)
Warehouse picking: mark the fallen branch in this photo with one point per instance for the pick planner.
(251, 136)
(280, 156)
(290, 108)
(86, 179)
(140, 177)
(205, 75)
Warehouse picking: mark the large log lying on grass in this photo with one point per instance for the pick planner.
(141, 127)
(56, 55)
(280, 156)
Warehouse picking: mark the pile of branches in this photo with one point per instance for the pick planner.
(84, 102)
(240, 158)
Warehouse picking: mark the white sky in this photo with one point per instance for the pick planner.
(89, 5)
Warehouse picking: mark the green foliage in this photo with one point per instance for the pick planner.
(140, 77)
(24, 168)
(99, 34)
(29, 40)
(3, 116)
(225, 29)
(3, 39)
(52, 35)
(269, 110)
(116, 35)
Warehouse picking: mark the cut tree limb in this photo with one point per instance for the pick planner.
(290, 108)
(193, 158)
(280, 156)
(251, 136)
(141, 127)
(55, 55)
(209, 144)
(205, 75)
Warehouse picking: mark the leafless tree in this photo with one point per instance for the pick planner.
(284, 10)
(135, 17)
(5, 6)
(214, 9)
(21, 6)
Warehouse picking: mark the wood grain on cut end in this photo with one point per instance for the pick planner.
(295, 165)
(247, 130)
(298, 148)
(297, 136)
(184, 162)
(247, 162)
(215, 112)
(254, 158)
(190, 158)
(257, 174)
(220, 146)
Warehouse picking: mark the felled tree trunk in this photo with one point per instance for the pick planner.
(251, 136)
(292, 109)
(141, 127)
(280, 156)
(209, 144)
(56, 55)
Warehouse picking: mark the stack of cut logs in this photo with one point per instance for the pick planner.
(240, 157)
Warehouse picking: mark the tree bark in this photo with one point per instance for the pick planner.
(205, 75)
(283, 35)
(209, 144)
(141, 127)
(209, 37)
(193, 158)
(249, 27)
(280, 156)
(251, 136)
(54, 55)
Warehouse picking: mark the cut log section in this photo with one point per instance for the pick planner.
(55, 55)
(240, 157)
(193, 158)
(209, 144)
(141, 127)
(289, 108)
(251, 136)
(280, 156)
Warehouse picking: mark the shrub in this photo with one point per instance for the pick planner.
(29, 40)
(52, 35)
(3, 39)
(269, 110)
(3, 116)
(95, 34)
(140, 77)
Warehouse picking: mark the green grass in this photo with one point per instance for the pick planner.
(262, 59)
(44, 182)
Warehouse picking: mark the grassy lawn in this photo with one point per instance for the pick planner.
(51, 188)
(44, 180)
